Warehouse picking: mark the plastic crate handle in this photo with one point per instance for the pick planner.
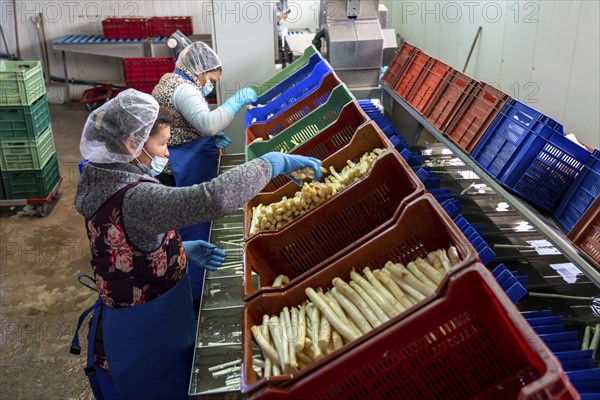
(522, 118)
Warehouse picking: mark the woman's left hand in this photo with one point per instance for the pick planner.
(222, 140)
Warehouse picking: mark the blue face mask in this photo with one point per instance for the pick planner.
(207, 88)
(158, 165)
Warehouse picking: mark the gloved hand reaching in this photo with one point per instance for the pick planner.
(286, 163)
(222, 140)
(203, 254)
(240, 99)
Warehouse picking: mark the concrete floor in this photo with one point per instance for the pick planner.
(40, 298)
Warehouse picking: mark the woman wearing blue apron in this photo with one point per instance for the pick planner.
(196, 134)
(142, 330)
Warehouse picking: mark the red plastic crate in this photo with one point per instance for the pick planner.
(449, 99)
(412, 73)
(146, 87)
(166, 26)
(148, 70)
(364, 208)
(328, 141)
(428, 86)
(585, 235)
(125, 28)
(95, 97)
(294, 113)
(466, 342)
(396, 67)
(367, 138)
(475, 116)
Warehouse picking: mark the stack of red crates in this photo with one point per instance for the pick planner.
(141, 28)
(144, 73)
(458, 106)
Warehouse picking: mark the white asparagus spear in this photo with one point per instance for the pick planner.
(381, 315)
(352, 310)
(412, 292)
(280, 281)
(276, 334)
(332, 302)
(337, 340)
(301, 328)
(304, 358)
(405, 275)
(383, 276)
(330, 314)
(315, 330)
(453, 255)
(370, 290)
(353, 296)
(324, 334)
(286, 366)
(265, 346)
(428, 270)
(444, 259)
(276, 369)
(414, 269)
(382, 291)
(434, 260)
(289, 338)
(265, 331)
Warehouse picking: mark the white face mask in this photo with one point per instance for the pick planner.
(207, 88)
(158, 164)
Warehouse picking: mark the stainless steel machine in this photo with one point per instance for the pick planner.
(354, 42)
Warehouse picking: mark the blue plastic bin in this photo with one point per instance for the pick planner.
(291, 96)
(584, 190)
(290, 81)
(528, 153)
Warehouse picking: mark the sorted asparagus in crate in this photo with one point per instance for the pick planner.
(328, 320)
(277, 215)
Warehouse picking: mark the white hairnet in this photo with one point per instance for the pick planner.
(117, 131)
(198, 57)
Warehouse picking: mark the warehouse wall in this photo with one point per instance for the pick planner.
(544, 53)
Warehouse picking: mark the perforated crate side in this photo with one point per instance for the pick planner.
(584, 190)
(585, 235)
(22, 82)
(467, 342)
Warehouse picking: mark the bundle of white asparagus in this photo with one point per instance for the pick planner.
(276, 215)
(301, 335)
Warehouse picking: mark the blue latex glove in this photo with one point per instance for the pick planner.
(286, 163)
(240, 99)
(201, 256)
(222, 140)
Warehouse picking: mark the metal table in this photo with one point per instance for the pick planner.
(121, 48)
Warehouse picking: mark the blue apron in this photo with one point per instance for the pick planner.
(149, 347)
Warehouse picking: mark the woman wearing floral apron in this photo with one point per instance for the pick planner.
(142, 330)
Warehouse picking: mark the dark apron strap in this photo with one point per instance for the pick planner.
(90, 369)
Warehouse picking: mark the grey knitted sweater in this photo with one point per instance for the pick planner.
(150, 209)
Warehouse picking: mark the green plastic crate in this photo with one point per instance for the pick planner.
(2, 193)
(31, 184)
(24, 122)
(286, 72)
(21, 82)
(304, 128)
(27, 154)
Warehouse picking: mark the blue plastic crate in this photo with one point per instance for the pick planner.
(290, 81)
(527, 152)
(509, 283)
(486, 254)
(291, 96)
(584, 190)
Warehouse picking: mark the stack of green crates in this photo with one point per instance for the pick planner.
(28, 160)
